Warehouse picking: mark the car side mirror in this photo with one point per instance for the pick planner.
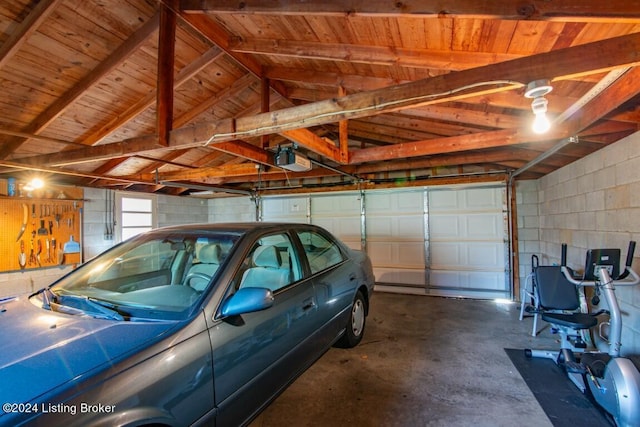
(247, 300)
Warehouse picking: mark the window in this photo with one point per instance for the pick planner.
(137, 215)
(272, 263)
(150, 257)
(322, 253)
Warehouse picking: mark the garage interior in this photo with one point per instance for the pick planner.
(405, 128)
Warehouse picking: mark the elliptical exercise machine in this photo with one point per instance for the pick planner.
(613, 381)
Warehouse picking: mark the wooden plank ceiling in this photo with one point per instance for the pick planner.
(181, 96)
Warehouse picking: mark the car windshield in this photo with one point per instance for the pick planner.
(159, 275)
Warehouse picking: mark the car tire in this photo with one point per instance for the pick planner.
(354, 329)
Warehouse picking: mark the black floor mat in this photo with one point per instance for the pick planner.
(563, 403)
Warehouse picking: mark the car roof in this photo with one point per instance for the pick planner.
(240, 227)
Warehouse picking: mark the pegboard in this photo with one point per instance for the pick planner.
(40, 232)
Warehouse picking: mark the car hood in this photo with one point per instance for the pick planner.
(42, 350)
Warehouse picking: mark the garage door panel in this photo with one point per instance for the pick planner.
(443, 201)
(415, 277)
(467, 246)
(483, 226)
(467, 255)
(330, 205)
(466, 200)
(396, 227)
(467, 280)
(484, 198)
(401, 254)
(340, 213)
(380, 227)
(353, 244)
(343, 227)
(398, 202)
(444, 227)
(466, 226)
(293, 209)
(445, 241)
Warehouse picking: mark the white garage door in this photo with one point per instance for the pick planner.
(395, 238)
(468, 242)
(441, 241)
(285, 209)
(341, 214)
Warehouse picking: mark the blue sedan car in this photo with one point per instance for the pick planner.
(198, 324)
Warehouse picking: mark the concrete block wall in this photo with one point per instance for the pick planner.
(595, 203)
(93, 223)
(528, 226)
(20, 282)
(174, 210)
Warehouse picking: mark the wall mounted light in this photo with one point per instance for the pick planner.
(536, 90)
(34, 184)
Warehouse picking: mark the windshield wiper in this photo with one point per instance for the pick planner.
(47, 297)
(104, 309)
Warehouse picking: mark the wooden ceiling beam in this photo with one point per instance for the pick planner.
(435, 146)
(410, 125)
(66, 100)
(165, 67)
(466, 116)
(219, 36)
(378, 55)
(200, 174)
(74, 156)
(588, 58)
(313, 142)
(124, 148)
(166, 159)
(20, 34)
(185, 75)
(583, 59)
(625, 87)
(246, 151)
(570, 10)
(355, 83)
(487, 157)
(277, 174)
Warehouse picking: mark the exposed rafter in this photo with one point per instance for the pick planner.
(576, 10)
(97, 94)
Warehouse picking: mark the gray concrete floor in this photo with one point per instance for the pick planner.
(424, 361)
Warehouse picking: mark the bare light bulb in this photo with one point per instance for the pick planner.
(541, 123)
(37, 183)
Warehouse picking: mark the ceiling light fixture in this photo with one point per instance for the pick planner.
(537, 89)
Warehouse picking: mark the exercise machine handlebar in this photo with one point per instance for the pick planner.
(606, 284)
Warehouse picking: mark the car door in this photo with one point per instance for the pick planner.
(257, 354)
(333, 280)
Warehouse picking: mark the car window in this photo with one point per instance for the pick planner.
(271, 263)
(322, 253)
(150, 275)
(147, 258)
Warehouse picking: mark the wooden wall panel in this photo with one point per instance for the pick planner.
(40, 231)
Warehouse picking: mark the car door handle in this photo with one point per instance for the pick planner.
(352, 277)
(308, 304)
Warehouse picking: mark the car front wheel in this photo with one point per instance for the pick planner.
(355, 324)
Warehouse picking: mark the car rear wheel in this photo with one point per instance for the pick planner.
(355, 324)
